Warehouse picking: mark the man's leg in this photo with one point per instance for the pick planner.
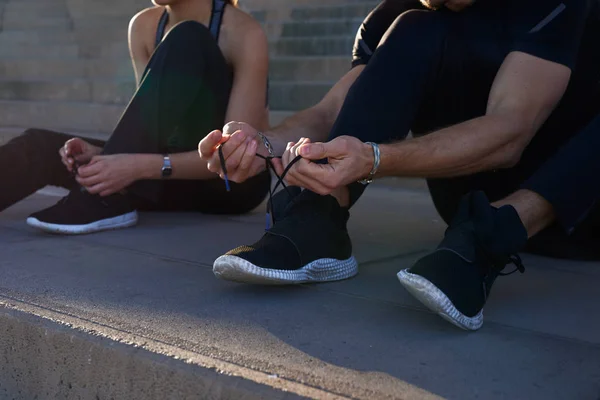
(309, 241)
(30, 162)
(456, 279)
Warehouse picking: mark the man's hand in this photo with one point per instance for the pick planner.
(240, 143)
(349, 160)
(77, 150)
(105, 175)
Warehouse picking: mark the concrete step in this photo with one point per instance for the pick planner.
(313, 46)
(297, 95)
(40, 52)
(32, 37)
(282, 95)
(73, 116)
(306, 68)
(106, 51)
(80, 90)
(65, 116)
(63, 36)
(281, 69)
(312, 28)
(51, 69)
(34, 22)
(345, 10)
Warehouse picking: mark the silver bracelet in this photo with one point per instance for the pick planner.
(376, 162)
(267, 144)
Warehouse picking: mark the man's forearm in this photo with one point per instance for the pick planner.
(482, 144)
(313, 123)
(186, 165)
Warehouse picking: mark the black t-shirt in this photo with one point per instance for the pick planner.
(562, 31)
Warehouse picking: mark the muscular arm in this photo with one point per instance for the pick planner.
(524, 93)
(315, 122)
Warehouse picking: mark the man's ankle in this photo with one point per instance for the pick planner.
(535, 212)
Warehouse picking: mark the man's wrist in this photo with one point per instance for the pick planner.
(371, 155)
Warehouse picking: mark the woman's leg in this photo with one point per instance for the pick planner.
(182, 97)
(30, 162)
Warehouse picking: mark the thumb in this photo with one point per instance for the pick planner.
(212, 140)
(318, 151)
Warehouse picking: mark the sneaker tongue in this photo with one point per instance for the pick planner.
(314, 204)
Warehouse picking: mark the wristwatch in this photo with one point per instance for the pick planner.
(167, 169)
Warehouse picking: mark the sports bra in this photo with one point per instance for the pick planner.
(218, 7)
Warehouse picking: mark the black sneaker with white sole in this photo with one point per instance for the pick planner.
(307, 243)
(456, 279)
(80, 213)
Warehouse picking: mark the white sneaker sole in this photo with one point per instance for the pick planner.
(236, 269)
(434, 299)
(121, 221)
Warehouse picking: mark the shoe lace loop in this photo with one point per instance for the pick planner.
(270, 217)
(517, 262)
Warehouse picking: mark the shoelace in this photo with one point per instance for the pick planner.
(517, 262)
(269, 217)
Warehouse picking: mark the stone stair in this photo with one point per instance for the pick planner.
(64, 64)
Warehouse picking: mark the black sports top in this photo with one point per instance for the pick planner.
(218, 7)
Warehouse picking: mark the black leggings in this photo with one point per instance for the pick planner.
(435, 69)
(182, 97)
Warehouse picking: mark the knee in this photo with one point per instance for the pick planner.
(36, 135)
(417, 31)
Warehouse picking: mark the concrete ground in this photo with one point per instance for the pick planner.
(138, 314)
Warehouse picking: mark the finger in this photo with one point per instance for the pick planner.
(74, 146)
(214, 164)
(294, 150)
(68, 162)
(248, 158)
(324, 174)
(235, 141)
(89, 181)
(108, 192)
(319, 151)
(298, 179)
(207, 146)
(97, 188)
(278, 164)
(286, 157)
(234, 160)
(90, 169)
(231, 127)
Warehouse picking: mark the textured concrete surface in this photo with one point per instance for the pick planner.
(152, 287)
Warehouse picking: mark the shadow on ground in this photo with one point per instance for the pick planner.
(365, 337)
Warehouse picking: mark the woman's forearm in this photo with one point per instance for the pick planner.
(186, 165)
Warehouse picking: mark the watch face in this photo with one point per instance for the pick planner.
(166, 172)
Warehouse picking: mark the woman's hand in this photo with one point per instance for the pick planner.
(77, 150)
(105, 175)
(241, 144)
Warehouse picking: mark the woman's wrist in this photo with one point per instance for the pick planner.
(147, 166)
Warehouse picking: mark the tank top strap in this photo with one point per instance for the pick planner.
(217, 18)
(160, 30)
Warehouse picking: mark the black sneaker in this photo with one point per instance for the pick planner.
(80, 213)
(456, 279)
(307, 243)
